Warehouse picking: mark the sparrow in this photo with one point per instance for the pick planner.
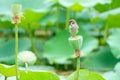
(73, 27)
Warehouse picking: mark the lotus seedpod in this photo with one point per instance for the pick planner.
(76, 42)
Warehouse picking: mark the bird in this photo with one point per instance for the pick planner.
(73, 27)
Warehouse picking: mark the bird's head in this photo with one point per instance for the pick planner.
(72, 22)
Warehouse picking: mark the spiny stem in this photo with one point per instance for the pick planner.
(107, 26)
(106, 31)
(31, 38)
(67, 17)
(5, 78)
(16, 50)
(65, 66)
(74, 14)
(77, 67)
(32, 42)
(57, 16)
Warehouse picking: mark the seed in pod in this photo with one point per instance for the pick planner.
(26, 57)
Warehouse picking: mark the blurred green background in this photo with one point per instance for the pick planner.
(44, 30)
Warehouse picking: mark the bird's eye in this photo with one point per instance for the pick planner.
(72, 22)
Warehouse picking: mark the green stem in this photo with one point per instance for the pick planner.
(75, 16)
(5, 78)
(106, 31)
(77, 67)
(67, 18)
(65, 66)
(16, 50)
(57, 16)
(26, 66)
(107, 26)
(31, 37)
(32, 42)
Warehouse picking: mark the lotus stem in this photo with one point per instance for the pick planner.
(16, 50)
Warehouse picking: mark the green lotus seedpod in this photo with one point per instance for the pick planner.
(76, 42)
(16, 8)
(26, 57)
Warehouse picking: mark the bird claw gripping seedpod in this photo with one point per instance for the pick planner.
(75, 40)
(16, 16)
